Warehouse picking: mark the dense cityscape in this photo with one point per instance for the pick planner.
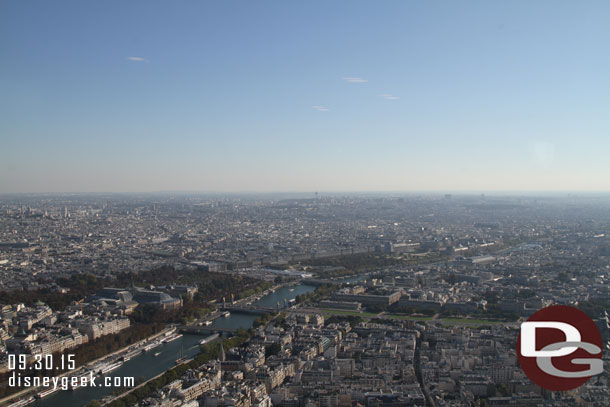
(401, 300)
(304, 203)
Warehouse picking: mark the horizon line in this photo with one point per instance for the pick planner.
(346, 191)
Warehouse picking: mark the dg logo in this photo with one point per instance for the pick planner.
(559, 348)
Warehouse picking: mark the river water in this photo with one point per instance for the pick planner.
(147, 365)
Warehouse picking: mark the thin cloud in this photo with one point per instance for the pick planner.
(137, 59)
(353, 79)
(320, 108)
(388, 96)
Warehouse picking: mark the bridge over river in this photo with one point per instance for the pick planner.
(248, 309)
(203, 327)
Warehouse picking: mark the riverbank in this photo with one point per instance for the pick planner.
(109, 358)
(239, 321)
(158, 361)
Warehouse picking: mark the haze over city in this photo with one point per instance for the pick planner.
(312, 96)
(304, 204)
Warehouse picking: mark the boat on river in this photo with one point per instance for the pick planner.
(208, 339)
(22, 402)
(181, 357)
(150, 346)
(172, 338)
(47, 392)
(109, 368)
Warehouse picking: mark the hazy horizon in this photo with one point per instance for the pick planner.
(321, 194)
(279, 97)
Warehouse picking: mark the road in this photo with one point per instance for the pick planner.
(418, 372)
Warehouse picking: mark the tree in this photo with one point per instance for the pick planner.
(502, 390)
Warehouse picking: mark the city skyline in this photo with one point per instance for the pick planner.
(276, 97)
(345, 301)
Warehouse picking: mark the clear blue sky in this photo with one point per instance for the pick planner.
(304, 95)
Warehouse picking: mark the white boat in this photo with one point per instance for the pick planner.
(172, 338)
(150, 346)
(110, 367)
(226, 314)
(208, 339)
(47, 392)
(157, 354)
(22, 402)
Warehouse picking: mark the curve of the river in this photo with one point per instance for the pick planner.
(147, 365)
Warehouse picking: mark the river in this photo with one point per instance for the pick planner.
(147, 365)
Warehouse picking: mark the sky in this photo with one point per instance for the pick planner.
(139, 96)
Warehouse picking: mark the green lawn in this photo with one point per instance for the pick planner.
(327, 311)
(470, 321)
(408, 317)
(450, 321)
